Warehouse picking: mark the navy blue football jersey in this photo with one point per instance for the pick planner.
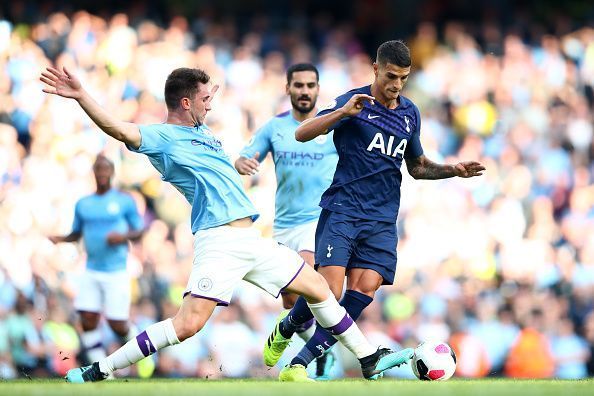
(371, 147)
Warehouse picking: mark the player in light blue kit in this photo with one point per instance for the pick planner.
(303, 172)
(227, 249)
(106, 220)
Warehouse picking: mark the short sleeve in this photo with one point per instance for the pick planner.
(153, 139)
(77, 222)
(414, 148)
(335, 104)
(132, 216)
(259, 143)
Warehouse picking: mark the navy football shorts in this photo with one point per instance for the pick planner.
(351, 242)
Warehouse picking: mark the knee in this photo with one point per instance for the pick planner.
(321, 288)
(121, 329)
(89, 322)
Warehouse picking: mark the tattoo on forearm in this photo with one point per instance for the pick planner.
(423, 168)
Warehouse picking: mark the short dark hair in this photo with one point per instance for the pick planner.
(394, 52)
(299, 67)
(183, 83)
(103, 157)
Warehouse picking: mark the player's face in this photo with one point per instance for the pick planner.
(390, 79)
(303, 90)
(103, 171)
(200, 104)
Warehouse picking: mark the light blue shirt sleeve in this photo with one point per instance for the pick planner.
(260, 143)
(77, 222)
(132, 216)
(154, 138)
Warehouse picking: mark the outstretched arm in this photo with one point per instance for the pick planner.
(72, 237)
(314, 127)
(422, 167)
(65, 84)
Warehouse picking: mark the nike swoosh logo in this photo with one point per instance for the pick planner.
(371, 117)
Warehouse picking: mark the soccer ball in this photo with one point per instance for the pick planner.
(434, 361)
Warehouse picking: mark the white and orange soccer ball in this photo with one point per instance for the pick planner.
(434, 361)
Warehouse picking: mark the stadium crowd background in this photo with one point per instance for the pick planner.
(501, 266)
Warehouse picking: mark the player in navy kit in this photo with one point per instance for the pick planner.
(375, 129)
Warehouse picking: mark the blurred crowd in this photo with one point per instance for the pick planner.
(502, 266)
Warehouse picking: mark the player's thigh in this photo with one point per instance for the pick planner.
(193, 314)
(116, 293)
(364, 280)
(88, 297)
(336, 236)
(275, 266)
(309, 284)
(221, 260)
(375, 252)
(334, 276)
(278, 268)
(308, 257)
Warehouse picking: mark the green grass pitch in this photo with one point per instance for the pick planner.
(487, 387)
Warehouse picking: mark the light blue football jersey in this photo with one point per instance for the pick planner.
(96, 216)
(303, 170)
(193, 160)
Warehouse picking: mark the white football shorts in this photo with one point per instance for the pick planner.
(225, 255)
(300, 238)
(107, 292)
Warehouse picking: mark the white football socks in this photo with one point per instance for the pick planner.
(306, 334)
(334, 318)
(92, 342)
(155, 337)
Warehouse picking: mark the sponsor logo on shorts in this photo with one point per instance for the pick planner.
(205, 284)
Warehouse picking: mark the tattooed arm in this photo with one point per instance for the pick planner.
(422, 167)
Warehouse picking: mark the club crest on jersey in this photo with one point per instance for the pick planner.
(113, 208)
(390, 149)
(329, 106)
(407, 124)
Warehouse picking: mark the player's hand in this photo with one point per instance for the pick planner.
(61, 83)
(248, 166)
(55, 239)
(114, 238)
(356, 104)
(469, 169)
(213, 91)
